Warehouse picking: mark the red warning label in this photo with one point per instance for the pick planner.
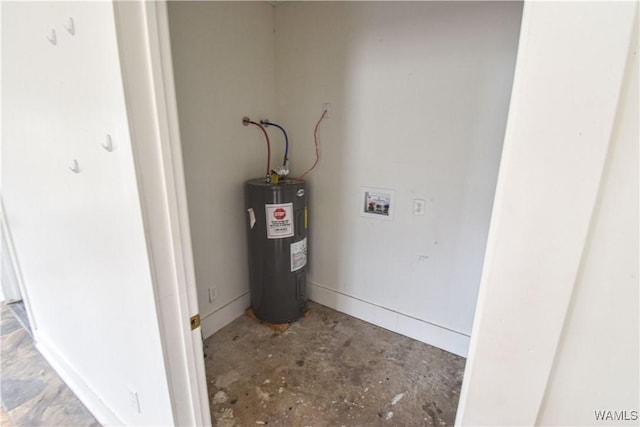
(280, 214)
(279, 220)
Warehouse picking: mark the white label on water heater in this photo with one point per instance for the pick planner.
(279, 220)
(252, 218)
(298, 254)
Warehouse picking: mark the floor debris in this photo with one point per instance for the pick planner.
(397, 398)
(324, 380)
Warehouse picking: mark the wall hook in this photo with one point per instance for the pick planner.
(70, 27)
(108, 145)
(52, 37)
(74, 168)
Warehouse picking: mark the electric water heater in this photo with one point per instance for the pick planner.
(277, 226)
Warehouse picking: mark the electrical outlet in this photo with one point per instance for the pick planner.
(213, 293)
(418, 206)
(327, 107)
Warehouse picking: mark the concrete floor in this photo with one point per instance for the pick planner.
(328, 369)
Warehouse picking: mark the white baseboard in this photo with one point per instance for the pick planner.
(78, 386)
(428, 333)
(226, 314)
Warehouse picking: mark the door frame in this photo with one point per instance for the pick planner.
(15, 291)
(147, 74)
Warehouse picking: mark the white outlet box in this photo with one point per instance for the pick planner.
(213, 294)
(327, 107)
(378, 203)
(418, 206)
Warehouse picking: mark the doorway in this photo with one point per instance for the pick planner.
(419, 98)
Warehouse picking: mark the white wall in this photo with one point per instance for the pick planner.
(596, 364)
(419, 94)
(556, 331)
(79, 237)
(223, 55)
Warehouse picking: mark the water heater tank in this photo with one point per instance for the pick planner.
(277, 226)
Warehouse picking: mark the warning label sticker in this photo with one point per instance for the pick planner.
(279, 220)
(298, 254)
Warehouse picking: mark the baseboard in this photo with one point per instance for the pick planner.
(78, 386)
(213, 322)
(428, 333)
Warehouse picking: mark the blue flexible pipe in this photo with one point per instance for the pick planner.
(286, 139)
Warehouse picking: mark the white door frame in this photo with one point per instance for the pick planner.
(145, 55)
(11, 288)
(15, 290)
(555, 152)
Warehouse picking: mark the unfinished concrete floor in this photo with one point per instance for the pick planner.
(328, 369)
